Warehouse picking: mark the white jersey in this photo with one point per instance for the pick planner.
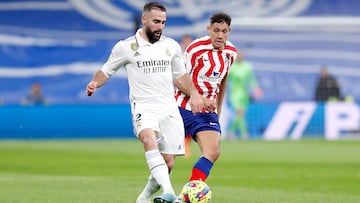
(151, 69)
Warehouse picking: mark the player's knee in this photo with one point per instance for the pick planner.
(169, 160)
(149, 142)
(216, 154)
(170, 163)
(212, 155)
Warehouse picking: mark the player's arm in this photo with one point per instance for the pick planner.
(221, 95)
(98, 80)
(254, 85)
(114, 62)
(183, 81)
(208, 104)
(185, 84)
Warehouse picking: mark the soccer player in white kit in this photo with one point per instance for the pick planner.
(153, 63)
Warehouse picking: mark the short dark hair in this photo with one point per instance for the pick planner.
(153, 5)
(220, 17)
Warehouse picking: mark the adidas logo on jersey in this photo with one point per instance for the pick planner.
(136, 54)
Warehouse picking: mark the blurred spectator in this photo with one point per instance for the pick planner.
(327, 87)
(185, 41)
(35, 96)
(243, 88)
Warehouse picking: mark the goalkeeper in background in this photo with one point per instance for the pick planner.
(242, 86)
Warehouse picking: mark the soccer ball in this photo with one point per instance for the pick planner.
(196, 191)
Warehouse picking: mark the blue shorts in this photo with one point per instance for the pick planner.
(199, 122)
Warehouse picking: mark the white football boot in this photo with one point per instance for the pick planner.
(141, 199)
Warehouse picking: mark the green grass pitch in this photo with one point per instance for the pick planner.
(106, 171)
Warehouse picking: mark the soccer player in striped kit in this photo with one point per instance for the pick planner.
(208, 60)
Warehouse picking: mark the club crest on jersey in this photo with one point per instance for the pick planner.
(167, 52)
(215, 74)
(134, 46)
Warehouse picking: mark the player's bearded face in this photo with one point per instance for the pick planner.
(153, 36)
(154, 22)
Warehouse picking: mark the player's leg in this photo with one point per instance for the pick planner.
(239, 124)
(151, 188)
(244, 134)
(168, 193)
(244, 102)
(233, 128)
(155, 161)
(209, 143)
(171, 145)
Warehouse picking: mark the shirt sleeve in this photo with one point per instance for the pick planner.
(177, 63)
(116, 59)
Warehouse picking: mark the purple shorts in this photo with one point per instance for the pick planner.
(199, 122)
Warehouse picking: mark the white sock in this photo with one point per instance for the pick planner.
(159, 170)
(150, 188)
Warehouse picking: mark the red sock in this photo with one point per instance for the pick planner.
(197, 174)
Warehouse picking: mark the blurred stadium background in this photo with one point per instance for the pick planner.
(60, 44)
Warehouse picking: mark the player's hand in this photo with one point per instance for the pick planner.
(196, 103)
(209, 105)
(258, 93)
(91, 88)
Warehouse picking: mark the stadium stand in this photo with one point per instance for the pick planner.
(60, 43)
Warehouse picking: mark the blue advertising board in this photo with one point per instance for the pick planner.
(276, 121)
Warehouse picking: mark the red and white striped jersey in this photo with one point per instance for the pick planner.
(207, 67)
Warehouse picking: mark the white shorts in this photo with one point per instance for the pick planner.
(168, 126)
